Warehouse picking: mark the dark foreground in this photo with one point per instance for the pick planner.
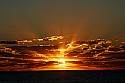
(63, 76)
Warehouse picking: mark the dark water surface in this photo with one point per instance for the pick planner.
(63, 76)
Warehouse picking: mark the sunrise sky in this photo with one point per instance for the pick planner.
(84, 19)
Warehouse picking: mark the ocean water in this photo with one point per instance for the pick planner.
(63, 76)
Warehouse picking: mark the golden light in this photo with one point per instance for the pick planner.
(61, 61)
(62, 50)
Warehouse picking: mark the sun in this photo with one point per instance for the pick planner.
(61, 61)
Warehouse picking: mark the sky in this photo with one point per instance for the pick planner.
(81, 19)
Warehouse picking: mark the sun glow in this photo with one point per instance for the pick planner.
(61, 61)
